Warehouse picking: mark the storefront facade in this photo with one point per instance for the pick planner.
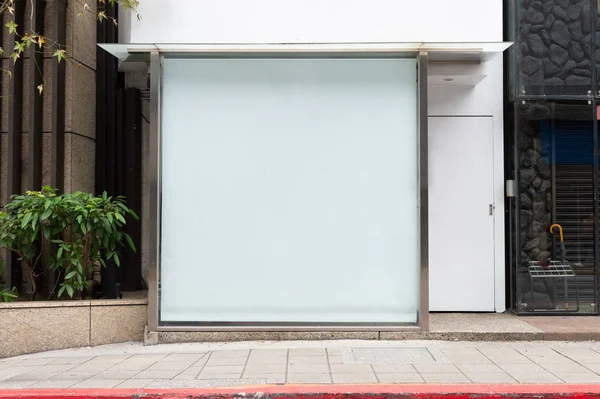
(312, 167)
(552, 142)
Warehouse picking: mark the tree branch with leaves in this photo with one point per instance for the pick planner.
(41, 42)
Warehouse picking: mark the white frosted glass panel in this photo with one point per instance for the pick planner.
(289, 190)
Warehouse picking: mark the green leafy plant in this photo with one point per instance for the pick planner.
(6, 294)
(82, 227)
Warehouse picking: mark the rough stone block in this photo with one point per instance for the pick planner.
(112, 324)
(27, 329)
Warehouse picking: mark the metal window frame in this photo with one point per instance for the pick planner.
(155, 190)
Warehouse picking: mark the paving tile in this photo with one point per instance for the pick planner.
(491, 378)
(333, 351)
(14, 371)
(580, 355)
(101, 363)
(54, 383)
(266, 368)
(72, 360)
(399, 378)
(53, 369)
(200, 362)
(229, 376)
(98, 384)
(268, 353)
(308, 379)
(335, 359)
(35, 376)
(134, 364)
(188, 374)
(505, 356)
(445, 378)
(308, 352)
(544, 355)
(270, 378)
(227, 361)
(354, 378)
(564, 368)
(479, 368)
(120, 358)
(218, 382)
(595, 367)
(437, 368)
(534, 377)
(230, 353)
(134, 383)
(469, 359)
(462, 351)
(155, 357)
(175, 366)
(95, 366)
(351, 368)
(115, 374)
(76, 375)
(521, 368)
(393, 355)
(281, 360)
(222, 370)
(308, 368)
(16, 384)
(157, 374)
(393, 368)
(308, 360)
(578, 378)
(184, 357)
(32, 362)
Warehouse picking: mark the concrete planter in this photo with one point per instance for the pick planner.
(29, 327)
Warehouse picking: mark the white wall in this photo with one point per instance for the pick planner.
(316, 21)
(484, 99)
(330, 21)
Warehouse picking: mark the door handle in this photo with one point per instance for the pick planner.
(492, 208)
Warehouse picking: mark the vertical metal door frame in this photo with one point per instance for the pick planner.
(422, 64)
(154, 172)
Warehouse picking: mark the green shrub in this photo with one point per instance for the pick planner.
(80, 226)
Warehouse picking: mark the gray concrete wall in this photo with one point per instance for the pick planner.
(80, 102)
(30, 327)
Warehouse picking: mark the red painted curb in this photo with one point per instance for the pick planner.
(323, 392)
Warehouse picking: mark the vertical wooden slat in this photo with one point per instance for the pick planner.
(36, 68)
(101, 105)
(108, 82)
(132, 170)
(15, 128)
(59, 35)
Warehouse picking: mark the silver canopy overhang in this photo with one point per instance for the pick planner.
(438, 52)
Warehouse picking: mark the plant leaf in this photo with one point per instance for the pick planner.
(12, 27)
(26, 219)
(46, 214)
(60, 55)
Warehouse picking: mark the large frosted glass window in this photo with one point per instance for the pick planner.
(289, 191)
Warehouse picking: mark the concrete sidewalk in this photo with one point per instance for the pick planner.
(305, 362)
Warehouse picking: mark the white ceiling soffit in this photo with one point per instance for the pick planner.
(438, 52)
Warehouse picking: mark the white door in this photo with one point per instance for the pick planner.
(461, 223)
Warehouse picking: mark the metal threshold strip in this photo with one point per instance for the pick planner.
(447, 52)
